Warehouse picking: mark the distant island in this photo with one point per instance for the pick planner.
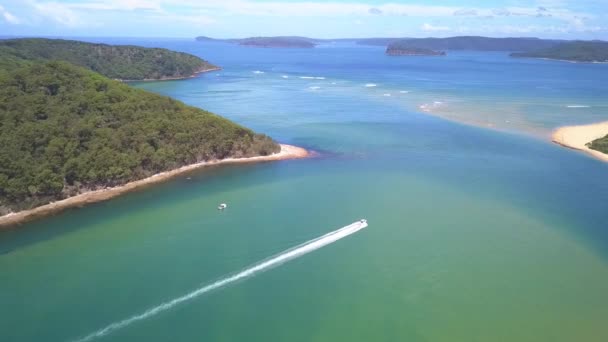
(278, 42)
(400, 49)
(375, 41)
(268, 42)
(476, 43)
(576, 51)
(123, 62)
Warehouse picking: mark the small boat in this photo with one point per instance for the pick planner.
(363, 221)
(222, 206)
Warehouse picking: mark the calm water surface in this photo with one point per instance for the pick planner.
(475, 234)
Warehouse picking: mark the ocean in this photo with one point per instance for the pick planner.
(480, 229)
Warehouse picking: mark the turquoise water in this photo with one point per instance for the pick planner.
(474, 234)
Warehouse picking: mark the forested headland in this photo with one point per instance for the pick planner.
(124, 62)
(65, 130)
(577, 51)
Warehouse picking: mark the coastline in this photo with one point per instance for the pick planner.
(13, 219)
(576, 137)
(563, 60)
(173, 78)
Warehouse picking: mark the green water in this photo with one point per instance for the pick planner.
(474, 235)
(479, 271)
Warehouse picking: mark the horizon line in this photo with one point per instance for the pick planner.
(16, 36)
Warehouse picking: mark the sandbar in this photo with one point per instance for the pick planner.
(577, 137)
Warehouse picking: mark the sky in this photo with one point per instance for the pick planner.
(568, 19)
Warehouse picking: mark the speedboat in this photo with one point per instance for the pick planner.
(363, 221)
(222, 206)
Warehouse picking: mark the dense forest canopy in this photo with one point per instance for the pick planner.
(123, 62)
(578, 51)
(600, 144)
(65, 130)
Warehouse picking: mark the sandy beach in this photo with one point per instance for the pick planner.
(576, 137)
(195, 74)
(287, 152)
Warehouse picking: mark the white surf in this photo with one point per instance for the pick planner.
(285, 256)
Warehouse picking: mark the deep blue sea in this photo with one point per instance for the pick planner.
(480, 229)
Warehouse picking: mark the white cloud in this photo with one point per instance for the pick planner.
(8, 16)
(501, 12)
(77, 13)
(272, 8)
(431, 28)
(466, 12)
(374, 10)
(118, 5)
(333, 9)
(57, 12)
(195, 19)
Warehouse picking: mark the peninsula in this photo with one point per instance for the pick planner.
(103, 194)
(268, 42)
(71, 136)
(591, 139)
(475, 43)
(120, 62)
(278, 42)
(396, 49)
(577, 51)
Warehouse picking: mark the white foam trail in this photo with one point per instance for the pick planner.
(258, 72)
(285, 256)
(285, 76)
(319, 78)
(404, 91)
(307, 77)
(577, 106)
(370, 85)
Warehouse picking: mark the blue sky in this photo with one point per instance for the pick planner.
(583, 19)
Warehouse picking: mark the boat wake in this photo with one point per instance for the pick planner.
(276, 260)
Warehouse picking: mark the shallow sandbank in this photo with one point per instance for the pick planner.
(577, 137)
(287, 152)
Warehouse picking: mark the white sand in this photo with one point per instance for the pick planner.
(576, 137)
(287, 152)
